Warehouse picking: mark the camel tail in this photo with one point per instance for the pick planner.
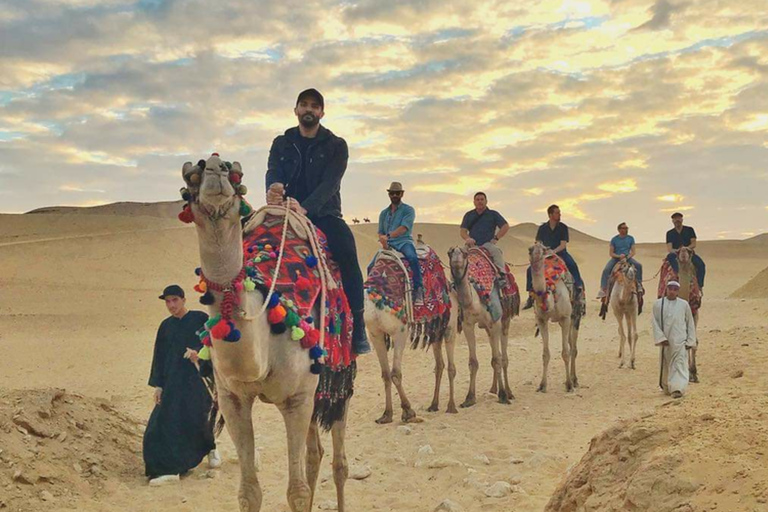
(335, 388)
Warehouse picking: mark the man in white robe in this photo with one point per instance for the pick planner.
(675, 332)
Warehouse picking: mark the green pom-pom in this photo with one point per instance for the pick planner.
(292, 319)
(297, 333)
(249, 285)
(245, 208)
(204, 354)
(212, 321)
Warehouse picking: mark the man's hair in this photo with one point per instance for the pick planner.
(552, 208)
(480, 194)
(311, 93)
(622, 224)
(676, 215)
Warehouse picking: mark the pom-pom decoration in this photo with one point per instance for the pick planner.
(198, 271)
(292, 319)
(297, 333)
(311, 261)
(204, 354)
(207, 299)
(221, 330)
(316, 368)
(212, 321)
(234, 335)
(315, 352)
(235, 177)
(186, 215)
(249, 285)
(274, 300)
(245, 208)
(278, 328)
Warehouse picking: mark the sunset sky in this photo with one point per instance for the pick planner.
(617, 110)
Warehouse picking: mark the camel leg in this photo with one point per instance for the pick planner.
(495, 336)
(565, 328)
(632, 320)
(437, 350)
(399, 343)
(622, 336)
(379, 344)
(692, 368)
(297, 414)
(237, 415)
(573, 339)
(450, 346)
(505, 361)
(340, 466)
(469, 332)
(314, 458)
(544, 331)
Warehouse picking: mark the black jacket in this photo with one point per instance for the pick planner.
(326, 163)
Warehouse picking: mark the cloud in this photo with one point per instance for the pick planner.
(662, 12)
(671, 198)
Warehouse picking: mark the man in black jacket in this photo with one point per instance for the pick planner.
(307, 164)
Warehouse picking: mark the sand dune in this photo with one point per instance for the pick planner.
(79, 310)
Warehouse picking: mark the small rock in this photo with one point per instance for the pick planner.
(499, 490)
(96, 470)
(483, 458)
(46, 496)
(516, 460)
(77, 467)
(442, 463)
(208, 474)
(426, 450)
(21, 478)
(737, 374)
(359, 472)
(405, 430)
(449, 506)
(707, 417)
(515, 479)
(62, 437)
(328, 505)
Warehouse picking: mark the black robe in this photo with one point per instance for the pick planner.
(179, 434)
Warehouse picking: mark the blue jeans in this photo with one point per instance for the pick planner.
(409, 251)
(609, 267)
(698, 264)
(573, 268)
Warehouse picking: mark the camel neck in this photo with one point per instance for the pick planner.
(221, 249)
(537, 275)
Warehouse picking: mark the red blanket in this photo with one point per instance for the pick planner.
(482, 274)
(668, 274)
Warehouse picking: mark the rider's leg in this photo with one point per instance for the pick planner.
(701, 269)
(573, 268)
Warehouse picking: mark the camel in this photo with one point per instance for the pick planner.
(624, 304)
(355, 221)
(383, 324)
(556, 307)
(686, 276)
(260, 365)
(473, 312)
(366, 220)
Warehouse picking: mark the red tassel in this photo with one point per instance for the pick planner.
(186, 216)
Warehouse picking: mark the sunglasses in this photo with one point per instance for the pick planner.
(392, 193)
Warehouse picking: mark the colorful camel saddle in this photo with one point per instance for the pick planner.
(298, 287)
(554, 270)
(482, 274)
(389, 287)
(668, 274)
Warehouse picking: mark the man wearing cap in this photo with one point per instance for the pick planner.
(307, 164)
(396, 231)
(179, 432)
(684, 236)
(674, 330)
(621, 248)
(478, 228)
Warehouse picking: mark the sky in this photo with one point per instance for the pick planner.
(616, 110)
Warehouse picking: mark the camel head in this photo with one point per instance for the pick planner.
(629, 272)
(458, 261)
(213, 188)
(685, 254)
(536, 254)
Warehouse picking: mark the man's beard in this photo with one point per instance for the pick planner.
(396, 200)
(309, 120)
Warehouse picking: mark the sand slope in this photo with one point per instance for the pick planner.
(755, 288)
(79, 311)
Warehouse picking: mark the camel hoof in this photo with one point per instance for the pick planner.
(452, 409)
(621, 364)
(469, 402)
(632, 365)
(386, 418)
(433, 408)
(568, 387)
(542, 388)
(575, 383)
(409, 416)
(694, 378)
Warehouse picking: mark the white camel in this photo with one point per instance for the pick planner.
(261, 365)
(473, 312)
(384, 324)
(555, 307)
(625, 309)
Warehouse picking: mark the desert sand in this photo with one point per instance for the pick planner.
(79, 311)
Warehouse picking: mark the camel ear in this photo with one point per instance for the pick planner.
(237, 167)
(191, 174)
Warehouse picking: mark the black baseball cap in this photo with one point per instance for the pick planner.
(677, 214)
(311, 93)
(173, 289)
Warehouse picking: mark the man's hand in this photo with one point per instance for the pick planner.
(470, 242)
(384, 241)
(622, 257)
(494, 241)
(275, 194)
(192, 355)
(158, 395)
(664, 343)
(295, 206)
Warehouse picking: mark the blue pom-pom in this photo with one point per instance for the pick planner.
(279, 328)
(316, 368)
(311, 261)
(198, 271)
(207, 299)
(315, 352)
(274, 300)
(310, 320)
(234, 335)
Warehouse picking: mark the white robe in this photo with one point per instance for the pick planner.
(678, 328)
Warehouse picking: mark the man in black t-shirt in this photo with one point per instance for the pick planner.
(554, 235)
(684, 236)
(478, 228)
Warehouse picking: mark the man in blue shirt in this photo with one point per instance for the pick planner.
(684, 236)
(478, 228)
(395, 231)
(554, 235)
(622, 247)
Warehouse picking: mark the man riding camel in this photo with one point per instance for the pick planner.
(554, 235)
(307, 164)
(395, 231)
(621, 248)
(478, 228)
(684, 236)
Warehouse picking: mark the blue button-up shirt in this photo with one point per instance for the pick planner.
(404, 215)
